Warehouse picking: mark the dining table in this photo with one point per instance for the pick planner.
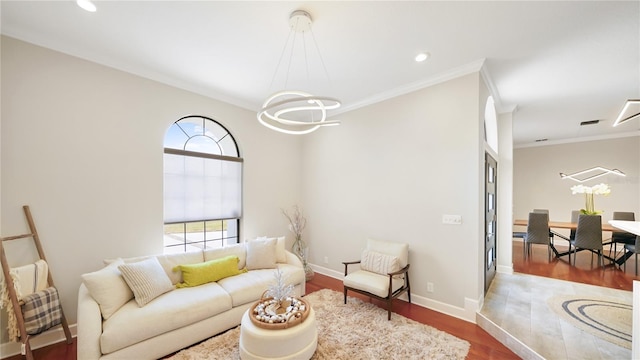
(608, 227)
(628, 226)
(564, 225)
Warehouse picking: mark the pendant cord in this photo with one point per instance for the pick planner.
(324, 67)
(284, 49)
(293, 45)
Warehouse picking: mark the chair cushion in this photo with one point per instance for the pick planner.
(379, 263)
(399, 250)
(371, 282)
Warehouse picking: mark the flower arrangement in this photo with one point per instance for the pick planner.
(297, 223)
(589, 191)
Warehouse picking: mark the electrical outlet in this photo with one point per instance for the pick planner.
(452, 219)
(430, 287)
(326, 259)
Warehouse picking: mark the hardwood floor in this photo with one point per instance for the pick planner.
(483, 345)
(585, 270)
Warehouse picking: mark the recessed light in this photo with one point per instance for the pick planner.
(87, 5)
(422, 56)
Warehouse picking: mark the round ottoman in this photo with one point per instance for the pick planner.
(297, 342)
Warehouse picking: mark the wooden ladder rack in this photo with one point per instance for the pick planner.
(24, 337)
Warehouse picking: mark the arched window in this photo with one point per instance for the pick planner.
(202, 185)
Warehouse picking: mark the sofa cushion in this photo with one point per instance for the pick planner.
(238, 250)
(261, 254)
(281, 251)
(108, 288)
(209, 271)
(170, 311)
(146, 279)
(168, 262)
(249, 287)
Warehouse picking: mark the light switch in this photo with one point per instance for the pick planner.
(452, 219)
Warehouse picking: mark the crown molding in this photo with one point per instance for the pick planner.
(577, 140)
(418, 85)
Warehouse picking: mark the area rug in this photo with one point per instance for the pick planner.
(607, 318)
(355, 331)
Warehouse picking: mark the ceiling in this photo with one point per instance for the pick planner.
(555, 64)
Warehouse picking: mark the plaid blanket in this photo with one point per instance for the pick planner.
(41, 311)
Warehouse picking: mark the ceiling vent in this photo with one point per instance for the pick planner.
(590, 122)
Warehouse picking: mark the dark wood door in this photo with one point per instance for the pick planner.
(490, 219)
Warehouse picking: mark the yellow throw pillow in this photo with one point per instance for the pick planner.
(208, 271)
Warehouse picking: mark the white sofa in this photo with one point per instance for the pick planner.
(181, 316)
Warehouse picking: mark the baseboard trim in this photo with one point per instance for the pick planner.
(45, 339)
(467, 314)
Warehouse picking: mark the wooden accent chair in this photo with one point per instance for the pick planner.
(383, 273)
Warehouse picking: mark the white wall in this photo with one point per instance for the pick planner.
(82, 144)
(390, 171)
(537, 183)
(505, 192)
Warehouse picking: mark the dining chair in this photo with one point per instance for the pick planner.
(552, 233)
(634, 249)
(622, 237)
(537, 232)
(574, 219)
(588, 236)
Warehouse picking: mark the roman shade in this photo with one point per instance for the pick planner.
(200, 186)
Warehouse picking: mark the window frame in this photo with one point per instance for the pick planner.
(200, 239)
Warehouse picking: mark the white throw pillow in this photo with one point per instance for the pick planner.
(281, 253)
(146, 279)
(261, 254)
(379, 263)
(238, 250)
(108, 288)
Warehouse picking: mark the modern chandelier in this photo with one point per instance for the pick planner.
(293, 111)
(590, 174)
(632, 105)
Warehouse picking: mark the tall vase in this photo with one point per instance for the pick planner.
(589, 204)
(300, 249)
